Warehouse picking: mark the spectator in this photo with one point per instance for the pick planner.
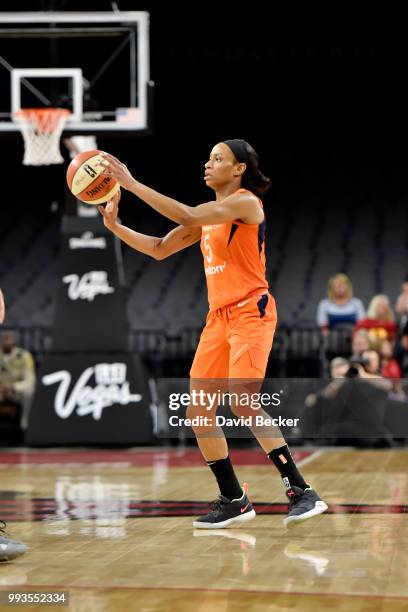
(338, 370)
(17, 375)
(380, 321)
(339, 367)
(391, 370)
(372, 365)
(361, 342)
(401, 306)
(389, 366)
(340, 307)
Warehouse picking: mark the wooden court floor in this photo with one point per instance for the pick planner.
(113, 528)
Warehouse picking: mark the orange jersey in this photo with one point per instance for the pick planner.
(234, 261)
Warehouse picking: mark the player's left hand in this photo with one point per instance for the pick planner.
(110, 211)
(114, 168)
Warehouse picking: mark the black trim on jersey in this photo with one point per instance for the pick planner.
(262, 302)
(261, 235)
(234, 228)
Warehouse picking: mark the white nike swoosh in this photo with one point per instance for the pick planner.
(3, 546)
(242, 303)
(239, 351)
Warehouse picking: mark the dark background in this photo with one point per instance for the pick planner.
(321, 97)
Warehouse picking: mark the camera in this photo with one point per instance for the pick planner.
(355, 361)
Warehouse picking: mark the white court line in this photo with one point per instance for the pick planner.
(315, 455)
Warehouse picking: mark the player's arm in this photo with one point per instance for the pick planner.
(2, 307)
(177, 239)
(241, 206)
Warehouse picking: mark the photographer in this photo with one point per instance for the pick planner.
(365, 366)
(368, 367)
(351, 408)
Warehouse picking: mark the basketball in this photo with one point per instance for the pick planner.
(85, 180)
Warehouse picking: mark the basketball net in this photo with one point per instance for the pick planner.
(41, 129)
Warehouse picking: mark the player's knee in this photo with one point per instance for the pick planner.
(240, 410)
(194, 411)
(201, 419)
(191, 411)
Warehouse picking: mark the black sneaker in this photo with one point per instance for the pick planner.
(9, 549)
(303, 505)
(225, 512)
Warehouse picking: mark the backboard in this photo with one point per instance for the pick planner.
(96, 64)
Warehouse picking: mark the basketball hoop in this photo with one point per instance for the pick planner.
(41, 129)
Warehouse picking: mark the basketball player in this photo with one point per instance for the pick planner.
(9, 549)
(240, 325)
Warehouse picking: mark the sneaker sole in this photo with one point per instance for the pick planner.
(320, 507)
(4, 557)
(241, 518)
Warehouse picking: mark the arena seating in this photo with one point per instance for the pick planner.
(306, 244)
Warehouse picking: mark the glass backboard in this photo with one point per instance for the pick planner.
(96, 64)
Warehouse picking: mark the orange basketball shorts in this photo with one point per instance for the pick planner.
(237, 339)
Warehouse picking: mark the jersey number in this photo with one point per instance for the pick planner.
(207, 248)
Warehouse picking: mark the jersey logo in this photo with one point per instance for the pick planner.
(209, 270)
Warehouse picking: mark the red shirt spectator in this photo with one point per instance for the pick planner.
(389, 366)
(380, 321)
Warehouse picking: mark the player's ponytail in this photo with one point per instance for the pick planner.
(258, 183)
(252, 179)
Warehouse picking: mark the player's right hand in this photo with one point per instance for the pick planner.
(109, 212)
